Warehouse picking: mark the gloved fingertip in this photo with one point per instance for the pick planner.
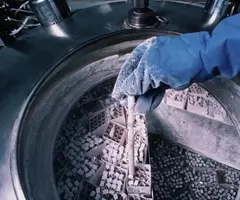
(157, 100)
(149, 101)
(143, 105)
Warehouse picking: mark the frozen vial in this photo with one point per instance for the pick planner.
(98, 197)
(115, 196)
(92, 194)
(105, 191)
(97, 190)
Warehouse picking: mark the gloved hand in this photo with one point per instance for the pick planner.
(177, 62)
(155, 65)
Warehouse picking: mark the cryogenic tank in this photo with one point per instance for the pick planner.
(61, 93)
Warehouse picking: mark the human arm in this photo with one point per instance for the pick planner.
(177, 62)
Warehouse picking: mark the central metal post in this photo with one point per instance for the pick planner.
(140, 16)
(140, 3)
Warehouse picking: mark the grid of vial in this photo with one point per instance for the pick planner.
(68, 186)
(113, 153)
(196, 100)
(88, 142)
(142, 177)
(114, 132)
(97, 121)
(85, 167)
(179, 96)
(115, 111)
(81, 145)
(194, 88)
(196, 177)
(170, 160)
(77, 162)
(113, 179)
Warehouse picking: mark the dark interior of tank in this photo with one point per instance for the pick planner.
(180, 168)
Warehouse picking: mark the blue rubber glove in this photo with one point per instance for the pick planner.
(177, 62)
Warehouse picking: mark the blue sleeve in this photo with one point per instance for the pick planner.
(219, 52)
(196, 57)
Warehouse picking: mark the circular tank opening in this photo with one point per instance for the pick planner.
(73, 132)
(92, 139)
